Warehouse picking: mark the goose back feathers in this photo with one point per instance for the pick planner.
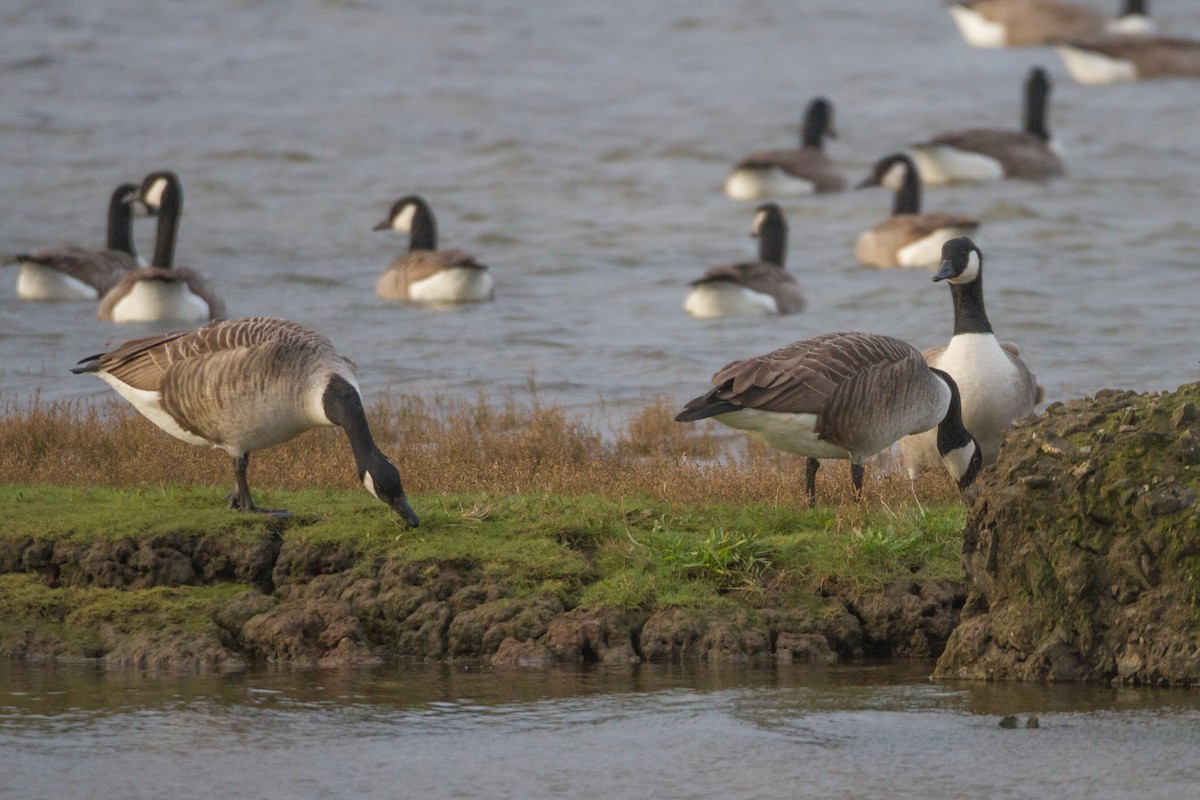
(1028, 23)
(908, 238)
(245, 385)
(1130, 58)
(425, 273)
(839, 395)
(78, 273)
(802, 170)
(750, 287)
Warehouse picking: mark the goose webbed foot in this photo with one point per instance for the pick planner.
(236, 503)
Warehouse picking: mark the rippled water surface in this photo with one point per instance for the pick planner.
(452, 732)
(578, 148)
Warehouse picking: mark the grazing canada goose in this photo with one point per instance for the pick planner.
(750, 287)
(161, 291)
(995, 385)
(908, 238)
(248, 384)
(424, 273)
(979, 154)
(803, 170)
(840, 395)
(1028, 23)
(77, 273)
(1131, 58)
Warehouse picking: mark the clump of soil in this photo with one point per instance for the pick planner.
(1082, 547)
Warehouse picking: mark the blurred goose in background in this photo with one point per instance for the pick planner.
(161, 291)
(803, 170)
(995, 385)
(750, 287)
(424, 273)
(248, 384)
(840, 395)
(978, 154)
(1130, 58)
(1028, 23)
(78, 273)
(908, 238)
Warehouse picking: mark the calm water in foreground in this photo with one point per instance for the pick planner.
(434, 732)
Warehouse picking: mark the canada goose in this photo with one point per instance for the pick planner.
(161, 291)
(424, 273)
(803, 170)
(1027, 23)
(995, 384)
(840, 395)
(750, 287)
(1131, 58)
(77, 273)
(979, 154)
(248, 384)
(908, 238)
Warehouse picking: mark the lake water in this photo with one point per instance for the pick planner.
(433, 732)
(578, 148)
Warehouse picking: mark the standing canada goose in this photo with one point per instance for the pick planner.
(1028, 23)
(161, 291)
(840, 395)
(803, 170)
(750, 287)
(77, 273)
(1131, 58)
(979, 154)
(908, 238)
(995, 384)
(424, 273)
(248, 384)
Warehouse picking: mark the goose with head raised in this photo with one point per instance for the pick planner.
(426, 274)
(806, 169)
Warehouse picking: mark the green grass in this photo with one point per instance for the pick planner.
(630, 553)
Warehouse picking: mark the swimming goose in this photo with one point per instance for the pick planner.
(1131, 58)
(840, 395)
(244, 385)
(77, 273)
(424, 273)
(995, 385)
(979, 154)
(1027, 23)
(750, 287)
(908, 238)
(161, 291)
(803, 170)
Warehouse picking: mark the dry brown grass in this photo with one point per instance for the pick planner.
(449, 446)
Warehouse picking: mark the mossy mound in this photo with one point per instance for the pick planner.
(1083, 547)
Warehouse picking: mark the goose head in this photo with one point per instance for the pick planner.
(382, 479)
(412, 215)
(818, 123)
(962, 261)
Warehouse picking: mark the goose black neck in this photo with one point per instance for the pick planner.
(1037, 91)
(907, 199)
(1134, 7)
(816, 123)
(772, 240)
(951, 433)
(343, 407)
(969, 313)
(169, 210)
(120, 220)
(422, 233)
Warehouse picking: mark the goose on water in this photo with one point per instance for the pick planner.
(425, 273)
(750, 287)
(244, 385)
(78, 273)
(1130, 58)
(995, 384)
(1028, 23)
(976, 154)
(161, 291)
(908, 238)
(801, 170)
(841, 395)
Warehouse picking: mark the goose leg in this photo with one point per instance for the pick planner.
(811, 466)
(856, 478)
(239, 498)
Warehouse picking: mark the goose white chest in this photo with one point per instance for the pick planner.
(148, 301)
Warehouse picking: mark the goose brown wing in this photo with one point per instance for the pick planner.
(100, 269)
